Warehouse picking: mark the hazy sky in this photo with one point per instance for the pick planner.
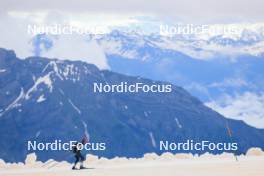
(194, 10)
(16, 15)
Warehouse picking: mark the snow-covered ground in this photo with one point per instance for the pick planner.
(168, 164)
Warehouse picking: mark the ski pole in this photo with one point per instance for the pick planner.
(230, 136)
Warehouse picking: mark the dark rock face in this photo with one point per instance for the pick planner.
(47, 99)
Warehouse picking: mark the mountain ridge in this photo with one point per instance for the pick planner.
(47, 99)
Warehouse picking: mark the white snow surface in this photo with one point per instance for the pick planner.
(15, 103)
(2, 70)
(178, 123)
(41, 99)
(41, 80)
(74, 106)
(152, 139)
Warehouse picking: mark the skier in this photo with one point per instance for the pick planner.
(77, 153)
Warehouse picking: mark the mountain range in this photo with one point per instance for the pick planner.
(222, 71)
(46, 99)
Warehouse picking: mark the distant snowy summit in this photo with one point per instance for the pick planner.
(247, 39)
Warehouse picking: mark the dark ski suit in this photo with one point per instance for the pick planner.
(77, 154)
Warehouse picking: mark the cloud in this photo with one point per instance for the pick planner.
(77, 19)
(15, 16)
(230, 82)
(14, 35)
(199, 88)
(75, 47)
(247, 106)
